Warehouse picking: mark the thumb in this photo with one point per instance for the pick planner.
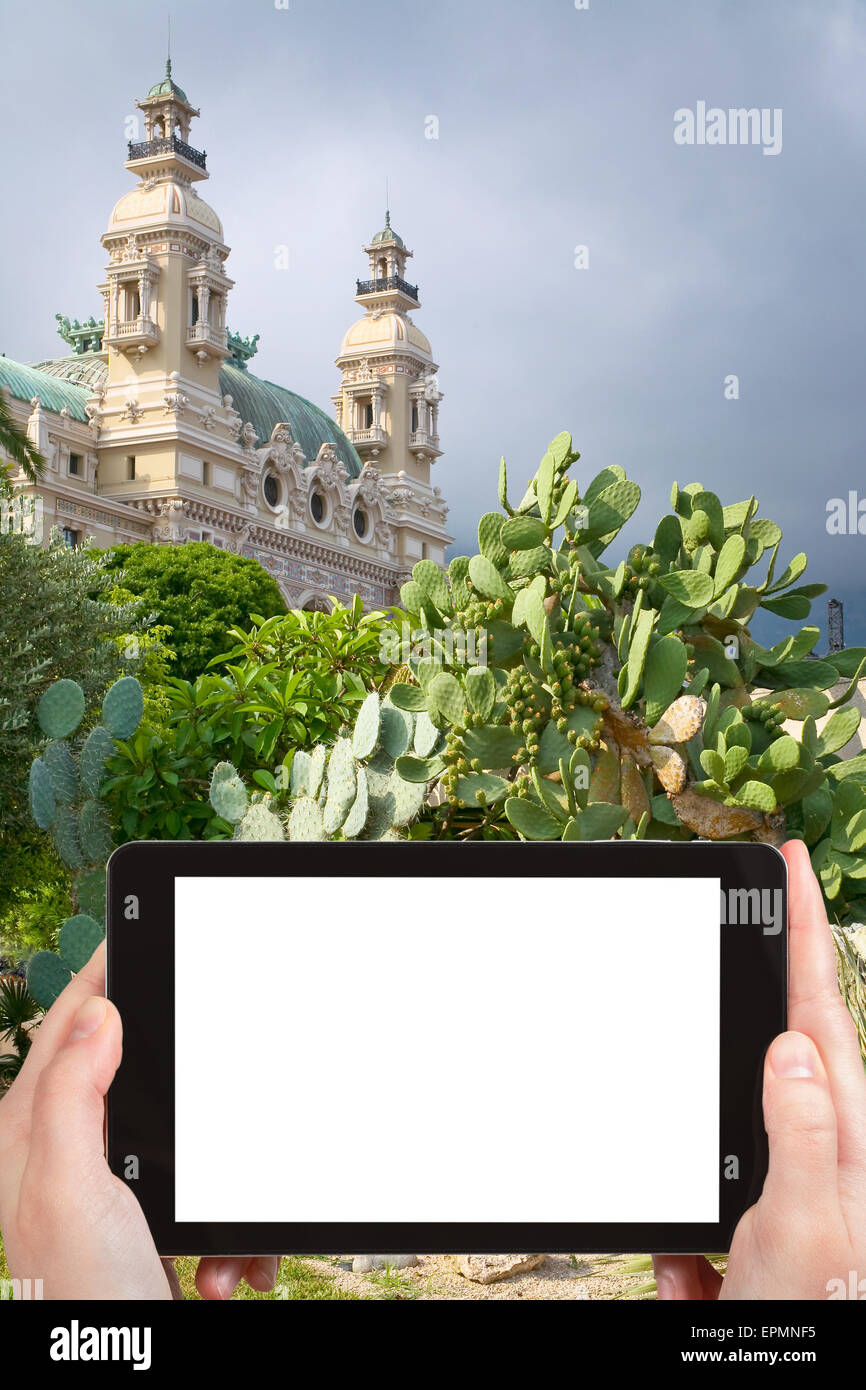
(66, 1134)
(801, 1128)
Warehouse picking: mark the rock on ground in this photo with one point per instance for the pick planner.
(490, 1269)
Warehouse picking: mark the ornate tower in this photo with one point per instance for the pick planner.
(388, 401)
(165, 313)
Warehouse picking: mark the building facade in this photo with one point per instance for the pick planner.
(154, 428)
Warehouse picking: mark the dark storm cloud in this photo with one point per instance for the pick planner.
(555, 130)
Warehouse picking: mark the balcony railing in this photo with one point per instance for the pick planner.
(169, 144)
(387, 282)
(422, 439)
(202, 332)
(375, 435)
(141, 328)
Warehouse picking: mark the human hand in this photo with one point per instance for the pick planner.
(809, 1225)
(65, 1218)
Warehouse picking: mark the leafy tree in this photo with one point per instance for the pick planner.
(290, 681)
(56, 621)
(199, 592)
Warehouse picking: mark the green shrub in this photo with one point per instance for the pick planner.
(198, 592)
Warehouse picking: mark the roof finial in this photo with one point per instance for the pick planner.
(168, 50)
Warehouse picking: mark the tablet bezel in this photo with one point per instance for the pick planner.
(140, 1119)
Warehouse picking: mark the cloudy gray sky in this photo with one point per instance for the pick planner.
(555, 130)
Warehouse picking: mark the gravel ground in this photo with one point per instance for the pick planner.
(560, 1277)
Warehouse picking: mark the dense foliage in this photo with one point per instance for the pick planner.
(557, 697)
(199, 592)
(56, 619)
(287, 682)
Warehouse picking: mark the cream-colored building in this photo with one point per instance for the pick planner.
(154, 429)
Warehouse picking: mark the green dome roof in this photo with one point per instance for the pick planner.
(26, 382)
(167, 87)
(387, 233)
(264, 404)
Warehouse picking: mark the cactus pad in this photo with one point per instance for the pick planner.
(47, 977)
(426, 735)
(42, 802)
(61, 765)
(94, 832)
(357, 817)
(65, 828)
(366, 734)
(408, 797)
(396, 730)
(342, 786)
(98, 748)
(123, 707)
(90, 892)
(61, 709)
(260, 823)
(447, 697)
(79, 938)
(228, 795)
(299, 783)
(318, 759)
(305, 821)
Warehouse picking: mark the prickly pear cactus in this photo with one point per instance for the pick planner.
(353, 790)
(65, 785)
(550, 695)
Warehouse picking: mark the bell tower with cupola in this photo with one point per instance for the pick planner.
(389, 397)
(165, 297)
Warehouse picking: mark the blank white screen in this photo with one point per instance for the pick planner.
(435, 1049)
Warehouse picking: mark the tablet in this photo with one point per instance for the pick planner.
(443, 1047)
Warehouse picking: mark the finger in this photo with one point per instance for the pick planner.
(802, 1178)
(686, 1277)
(54, 1029)
(261, 1272)
(217, 1278)
(173, 1281)
(817, 1008)
(66, 1123)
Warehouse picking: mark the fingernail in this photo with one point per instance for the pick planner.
(225, 1284)
(90, 1016)
(793, 1055)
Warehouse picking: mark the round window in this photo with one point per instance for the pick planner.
(359, 521)
(271, 490)
(317, 507)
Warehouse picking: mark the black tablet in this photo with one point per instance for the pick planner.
(443, 1047)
